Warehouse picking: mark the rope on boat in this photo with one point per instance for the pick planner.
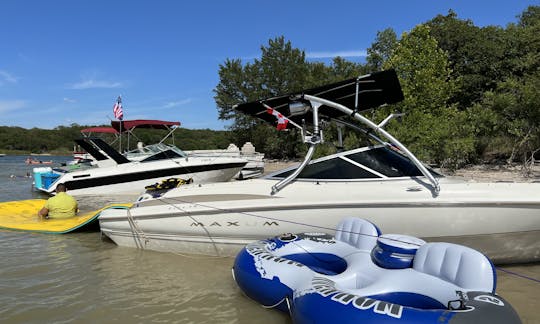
(276, 304)
(284, 299)
(138, 233)
(519, 275)
(179, 200)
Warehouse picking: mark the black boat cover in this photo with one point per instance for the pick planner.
(373, 90)
(88, 147)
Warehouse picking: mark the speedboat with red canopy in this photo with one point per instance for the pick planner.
(253, 168)
(383, 182)
(127, 127)
(117, 173)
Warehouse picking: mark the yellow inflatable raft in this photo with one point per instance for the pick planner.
(22, 216)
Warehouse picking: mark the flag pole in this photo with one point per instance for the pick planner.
(119, 114)
(120, 147)
(120, 118)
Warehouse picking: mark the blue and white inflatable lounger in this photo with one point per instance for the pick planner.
(361, 276)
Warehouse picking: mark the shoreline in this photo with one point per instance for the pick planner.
(477, 172)
(486, 172)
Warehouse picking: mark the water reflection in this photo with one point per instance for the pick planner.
(78, 277)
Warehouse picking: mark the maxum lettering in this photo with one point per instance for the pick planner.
(230, 224)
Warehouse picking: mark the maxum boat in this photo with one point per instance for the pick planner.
(115, 173)
(384, 183)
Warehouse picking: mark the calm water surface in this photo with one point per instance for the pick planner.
(80, 278)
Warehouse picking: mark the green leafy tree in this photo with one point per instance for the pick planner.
(432, 128)
(281, 69)
(479, 57)
(381, 50)
(507, 118)
(516, 105)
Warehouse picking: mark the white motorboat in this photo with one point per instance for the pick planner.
(116, 174)
(253, 168)
(384, 183)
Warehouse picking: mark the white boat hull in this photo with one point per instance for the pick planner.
(499, 219)
(132, 178)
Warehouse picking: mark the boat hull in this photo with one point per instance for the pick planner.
(507, 231)
(134, 177)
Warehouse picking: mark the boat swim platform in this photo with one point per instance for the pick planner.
(21, 215)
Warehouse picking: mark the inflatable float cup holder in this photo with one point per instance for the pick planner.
(395, 251)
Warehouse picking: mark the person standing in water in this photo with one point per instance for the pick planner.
(60, 206)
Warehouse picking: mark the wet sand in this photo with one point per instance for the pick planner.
(522, 293)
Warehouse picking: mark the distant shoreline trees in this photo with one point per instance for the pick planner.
(59, 141)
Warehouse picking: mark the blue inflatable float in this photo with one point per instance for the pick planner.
(361, 276)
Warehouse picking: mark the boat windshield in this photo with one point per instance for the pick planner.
(364, 163)
(156, 152)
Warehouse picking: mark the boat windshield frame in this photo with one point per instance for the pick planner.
(352, 170)
(152, 152)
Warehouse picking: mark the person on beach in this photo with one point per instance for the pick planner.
(60, 206)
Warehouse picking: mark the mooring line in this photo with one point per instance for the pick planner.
(519, 275)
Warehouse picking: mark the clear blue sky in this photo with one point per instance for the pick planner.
(66, 61)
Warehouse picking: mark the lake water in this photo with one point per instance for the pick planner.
(80, 278)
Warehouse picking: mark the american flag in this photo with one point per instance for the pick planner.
(117, 109)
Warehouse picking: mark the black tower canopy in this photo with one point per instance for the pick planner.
(362, 93)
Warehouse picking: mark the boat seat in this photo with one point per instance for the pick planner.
(457, 264)
(358, 232)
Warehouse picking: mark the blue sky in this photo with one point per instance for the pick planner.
(66, 61)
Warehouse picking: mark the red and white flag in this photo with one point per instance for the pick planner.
(117, 109)
(282, 121)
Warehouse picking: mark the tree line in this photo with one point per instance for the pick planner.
(60, 140)
(472, 94)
